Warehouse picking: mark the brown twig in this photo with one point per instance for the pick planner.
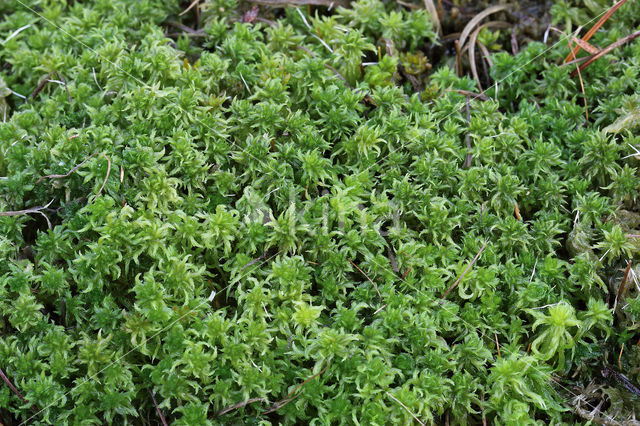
(405, 407)
(497, 344)
(362, 272)
(408, 5)
(238, 405)
(577, 61)
(622, 284)
(606, 50)
(14, 390)
(485, 54)
(514, 41)
(407, 272)
(474, 95)
(415, 84)
(254, 261)
(485, 60)
(292, 395)
(80, 165)
(458, 59)
(476, 20)
(595, 28)
(65, 85)
(464, 273)
(185, 28)
(194, 35)
(155, 403)
(285, 3)
(433, 14)
(392, 260)
(193, 3)
(620, 357)
(40, 86)
(472, 46)
(592, 50)
(29, 211)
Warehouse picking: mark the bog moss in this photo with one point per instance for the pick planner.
(282, 214)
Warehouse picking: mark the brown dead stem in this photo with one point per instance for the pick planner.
(472, 46)
(623, 284)
(80, 165)
(367, 277)
(285, 3)
(405, 408)
(620, 357)
(592, 31)
(612, 46)
(238, 405)
(293, 395)
(476, 20)
(14, 390)
(37, 210)
(433, 14)
(464, 273)
(155, 403)
(65, 85)
(191, 6)
(474, 95)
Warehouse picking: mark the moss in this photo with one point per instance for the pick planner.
(279, 210)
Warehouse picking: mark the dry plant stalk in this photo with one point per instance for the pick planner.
(14, 390)
(80, 165)
(472, 46)
(464, 273)
(29, 211)
(238, 405)
(292, 395)
(367, 277)
(155, 403)
(593, 30)
(623, 284)
(476, 20)
(612, 46)
(433, 13)
(285, 3)
(405, 408)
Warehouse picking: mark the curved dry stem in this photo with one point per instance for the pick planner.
(80, 165)
(606, 50)
(37, 210)
(479, 17)
(472, 46)
(433, 13)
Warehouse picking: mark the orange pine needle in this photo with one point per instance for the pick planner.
(620, 357)
(593, 29)
(407, 273)
(623, 283)
(497, 344)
